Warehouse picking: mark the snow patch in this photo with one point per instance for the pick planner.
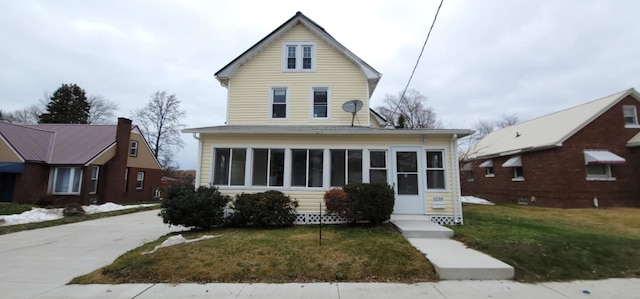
(475, 200)
(40, 214)
(175, 240)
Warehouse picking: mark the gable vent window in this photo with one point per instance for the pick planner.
(630, 116)
(299, 56)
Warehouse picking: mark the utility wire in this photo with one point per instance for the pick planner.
(417, 62)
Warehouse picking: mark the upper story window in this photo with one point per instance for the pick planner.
(279, 102)
(320, 102)
(630, 116)
(299, 56)
(133, 149)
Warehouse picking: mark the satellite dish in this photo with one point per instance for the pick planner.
(352, 107)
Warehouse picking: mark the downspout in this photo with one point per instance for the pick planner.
(198, 168)
(457, 203)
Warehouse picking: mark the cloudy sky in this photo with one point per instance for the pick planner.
(484, 58)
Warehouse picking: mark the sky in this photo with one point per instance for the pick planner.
(483, 59)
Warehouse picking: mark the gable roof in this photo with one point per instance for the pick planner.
(58, 143)
(547, 131)
(228, 70)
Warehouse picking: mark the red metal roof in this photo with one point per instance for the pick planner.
(59, 143)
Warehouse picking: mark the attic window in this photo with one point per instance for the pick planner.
(299, 56)
(630, 116)
(133, 149)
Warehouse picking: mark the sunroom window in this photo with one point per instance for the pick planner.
(346, 167)
(268, 167)
(307, 167)
(229, 166)
(378, 167)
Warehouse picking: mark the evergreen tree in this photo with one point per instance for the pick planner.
(67, 105)
(402, 123)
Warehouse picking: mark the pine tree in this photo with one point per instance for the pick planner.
(67, 105)
(402, 123)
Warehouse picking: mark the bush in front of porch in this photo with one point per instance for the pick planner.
(361, 202)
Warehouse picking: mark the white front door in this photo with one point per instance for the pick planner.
(407, 180)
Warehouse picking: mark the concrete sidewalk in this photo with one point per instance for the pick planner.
(497, 289)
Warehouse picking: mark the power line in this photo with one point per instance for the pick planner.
(417, 62)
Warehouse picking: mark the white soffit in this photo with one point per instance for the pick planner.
(513, 162)
(602, 157)
(487, 163)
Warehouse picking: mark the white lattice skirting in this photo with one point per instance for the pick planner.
(304, 218)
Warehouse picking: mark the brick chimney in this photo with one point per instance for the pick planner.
(116, 167)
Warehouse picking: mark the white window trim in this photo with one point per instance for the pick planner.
(635, 116)
(444, 168)
(91, 179)
(138, 180)
(368, 165)
(271, 90)
(289, 162)
(299, 53)
(515, 178)
(133, 148)
(313, 88)
(606, 177)
(70, 185)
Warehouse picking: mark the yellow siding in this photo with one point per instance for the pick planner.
(105, 156)
(145, 158)
(7, 154)
(309, 200)
(250, 86)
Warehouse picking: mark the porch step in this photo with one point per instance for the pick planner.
(422, 229)
(454, 261)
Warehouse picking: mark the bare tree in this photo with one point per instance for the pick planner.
(159, 122)
(29, 115)
(101, 110)
(408, 111)
(484, 127)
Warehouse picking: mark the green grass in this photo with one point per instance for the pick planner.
(273, 256)
(12, 208)
(70, 219)
(555, 245)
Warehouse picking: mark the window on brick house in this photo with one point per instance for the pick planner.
(630, 116)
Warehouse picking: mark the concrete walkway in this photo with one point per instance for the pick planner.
(451, 259)
(39, 263)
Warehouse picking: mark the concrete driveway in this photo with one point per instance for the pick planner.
(37, 261)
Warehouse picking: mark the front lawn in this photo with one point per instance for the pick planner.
(545, 244)
(291, 254)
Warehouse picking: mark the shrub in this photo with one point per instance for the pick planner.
(73, 209)
(371, 202)
(270, 208)
(337, 202)
(201, 208)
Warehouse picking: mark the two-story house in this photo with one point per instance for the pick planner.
(76, 163)
(298, 121)
(583, 156)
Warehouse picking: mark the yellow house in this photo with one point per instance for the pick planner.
(299, 121)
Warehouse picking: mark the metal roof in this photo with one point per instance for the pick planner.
(228, 70)
(635, 141)
(320, 130)
(546, 131)
(59, 143)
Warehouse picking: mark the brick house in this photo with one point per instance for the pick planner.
(584, 156)
(76, 163)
